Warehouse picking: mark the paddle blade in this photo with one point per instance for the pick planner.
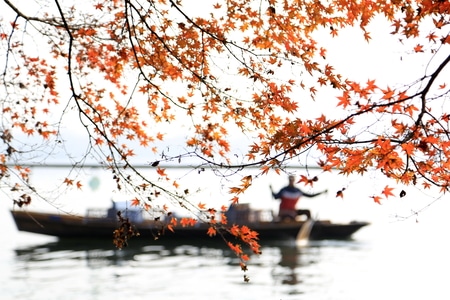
(304, 232)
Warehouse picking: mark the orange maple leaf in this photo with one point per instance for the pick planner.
(161, 172)
(340, 193)
(170, 227)
(432, 37)
(304, 179)
(265, 169)
(135, 202)
(426, 185)
(45, 134)
(244, 257)
(418, 48)
(201, 205)
(68, 181)
(235, 190)
(223, 219)
(410, 109)
(388, 94)
(371, 86)
(236, 248)
(408, 148)
(99, 141)
(234, 230)
(211, 231)
(387, 191)
(376, 199)
(184, 222)
(344, 100)
(79, 185)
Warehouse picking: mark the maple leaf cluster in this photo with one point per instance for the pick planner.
(137, 72)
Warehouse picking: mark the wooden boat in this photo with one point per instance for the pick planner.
(102, 226)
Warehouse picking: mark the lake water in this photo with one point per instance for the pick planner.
(401, 260)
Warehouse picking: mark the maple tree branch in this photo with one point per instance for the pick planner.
(428, 87)
(444, 130)
(139, 65)
(76, 97)
(8, 51)
(69, 56)
(423, 96)
(311, 138)
(169, 50)
(423, 175)
(30, 18)
(223, 40)
(111, 145)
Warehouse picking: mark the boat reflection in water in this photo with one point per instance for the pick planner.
(95, 269)
(102, 252)
(283, 257)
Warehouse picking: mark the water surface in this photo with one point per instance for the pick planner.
(392, 261)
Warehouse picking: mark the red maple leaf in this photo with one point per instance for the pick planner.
(135, 202)
(344, 100)
(211, 231)
(388, 191)
(376, 199)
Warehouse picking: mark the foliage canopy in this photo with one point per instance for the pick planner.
(140, 73)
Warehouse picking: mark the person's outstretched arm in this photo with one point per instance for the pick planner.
(274, 195)
(308, 195)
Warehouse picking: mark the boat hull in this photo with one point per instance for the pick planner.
(68, 226)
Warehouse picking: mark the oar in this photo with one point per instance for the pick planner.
(304, 232)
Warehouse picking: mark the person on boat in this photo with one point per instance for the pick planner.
(289, 196)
